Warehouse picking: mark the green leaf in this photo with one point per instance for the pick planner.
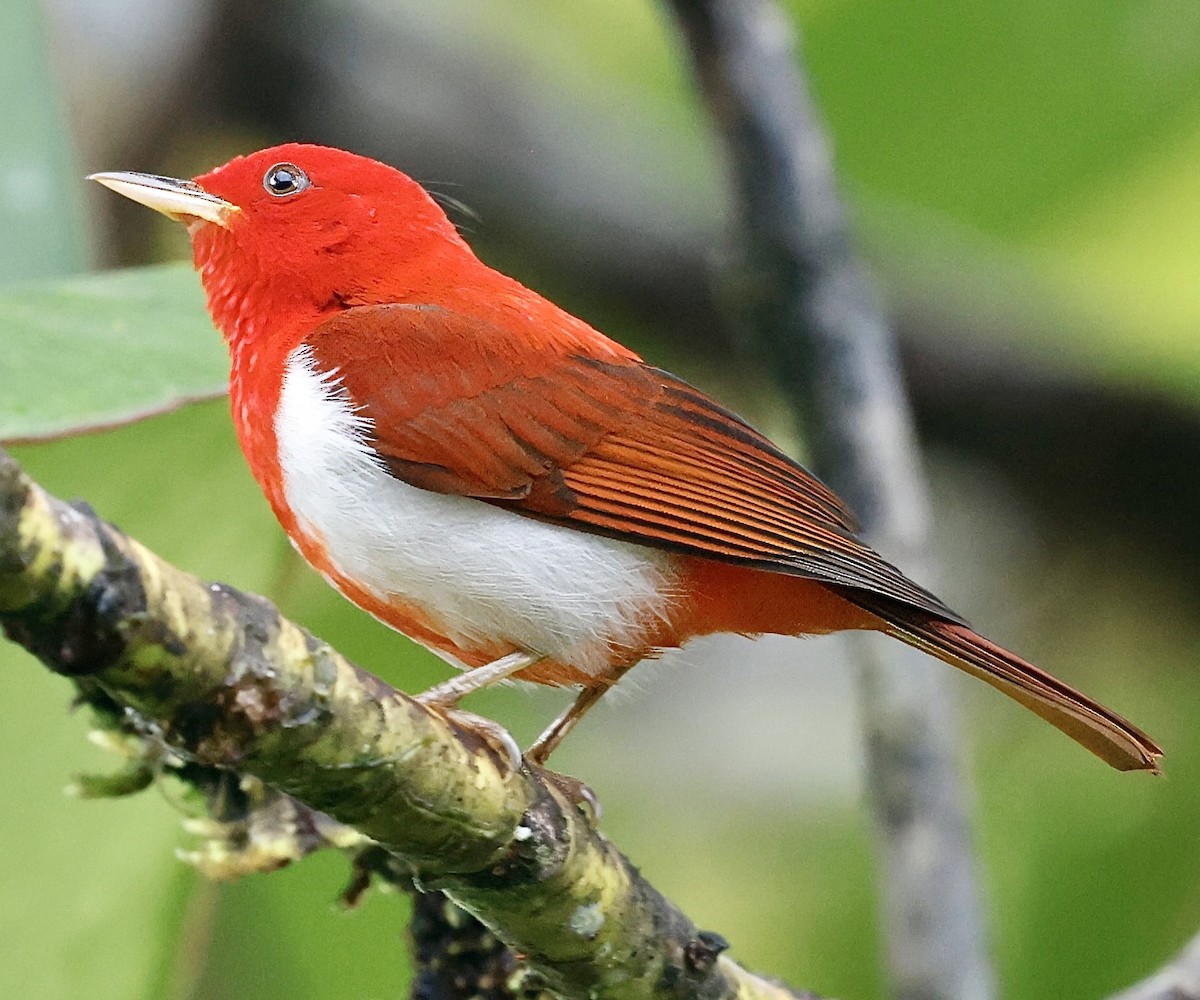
(104, 349)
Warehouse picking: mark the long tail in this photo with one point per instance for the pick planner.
(1110, 737)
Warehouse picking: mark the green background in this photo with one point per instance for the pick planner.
(1030, 168)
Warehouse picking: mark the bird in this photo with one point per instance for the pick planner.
(493, 477)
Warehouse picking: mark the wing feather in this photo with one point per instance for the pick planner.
(606, 444)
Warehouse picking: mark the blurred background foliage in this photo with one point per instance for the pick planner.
(1023, 177)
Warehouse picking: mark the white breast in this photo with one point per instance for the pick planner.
(482, 573)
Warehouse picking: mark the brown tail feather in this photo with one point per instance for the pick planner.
(1106, 734)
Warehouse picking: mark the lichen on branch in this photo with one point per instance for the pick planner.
(222, 681)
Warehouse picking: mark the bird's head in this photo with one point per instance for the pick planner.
(286, 236)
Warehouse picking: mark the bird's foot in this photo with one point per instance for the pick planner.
(575, 792)
(443, 699)
(476, 730)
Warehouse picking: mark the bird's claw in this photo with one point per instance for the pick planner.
(576, 792)
(491, 734)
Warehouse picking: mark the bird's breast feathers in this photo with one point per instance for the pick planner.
(480, 575)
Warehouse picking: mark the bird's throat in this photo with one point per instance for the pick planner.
(252, 306)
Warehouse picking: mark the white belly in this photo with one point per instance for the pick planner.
(483, 574)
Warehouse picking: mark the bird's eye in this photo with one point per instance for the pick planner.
(284, 179)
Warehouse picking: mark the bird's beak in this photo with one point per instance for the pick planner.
(178, 200)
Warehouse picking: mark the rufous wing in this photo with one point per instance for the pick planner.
(590, 438)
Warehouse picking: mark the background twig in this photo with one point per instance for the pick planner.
(811, 310)
(1179, 980)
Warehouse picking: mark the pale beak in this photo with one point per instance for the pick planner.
(178, 200)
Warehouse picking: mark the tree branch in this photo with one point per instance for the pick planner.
(220, 680)
(809, 307)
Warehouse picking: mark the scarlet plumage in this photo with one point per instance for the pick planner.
(490, 475)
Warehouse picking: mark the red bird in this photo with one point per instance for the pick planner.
(501, 482)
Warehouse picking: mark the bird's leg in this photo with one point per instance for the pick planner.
(556, 732)
(451, 692)
(574, 789)
(444, 698)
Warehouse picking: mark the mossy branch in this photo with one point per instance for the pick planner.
(221, 680)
